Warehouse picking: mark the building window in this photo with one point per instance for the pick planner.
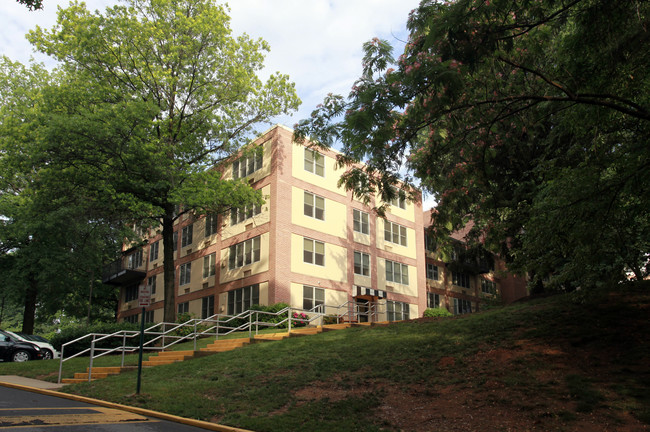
(209, 265)
(462, 306)
(314, 206)
(186, 237)
(433, 300)
(239, 215)
(314, 162)
(361, 224)
(460, 279)
(148, 316)
(186, 273)
(183, 308)
(396, 272)
(247, 165)
(314, 252)
(135, 259)
(488, 287)
(211, 224)
(207, 306)
(152, 284)
(397, 311)
(133, 319)
(175, 243)
(242, 299)
(394, 233)
(429, 242)
(131, 293)
(244, 253)
(432, 271)
(312, 297)
(361, 263)
(399, 200)
(153, 251)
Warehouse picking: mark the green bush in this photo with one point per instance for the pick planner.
(436, 313)
(71, 333)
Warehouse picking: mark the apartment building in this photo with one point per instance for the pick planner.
(311, 243)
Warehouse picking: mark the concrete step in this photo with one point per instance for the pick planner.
(332, 327)
(305, 331)
(270, 337)
(226, 345)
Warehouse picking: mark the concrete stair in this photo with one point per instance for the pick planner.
(226, 345)
(98, 373)
(169, 357)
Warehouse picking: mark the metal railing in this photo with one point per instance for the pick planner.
(162, 336)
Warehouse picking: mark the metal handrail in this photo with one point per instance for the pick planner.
(217, 323)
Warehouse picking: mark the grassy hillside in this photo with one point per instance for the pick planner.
(567, 362)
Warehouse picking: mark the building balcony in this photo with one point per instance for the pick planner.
(120, 273)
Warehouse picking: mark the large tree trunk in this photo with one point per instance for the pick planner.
(168, 264)
(30, 305)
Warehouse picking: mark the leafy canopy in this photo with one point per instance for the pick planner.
(528, 118)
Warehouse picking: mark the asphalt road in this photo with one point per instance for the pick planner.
(26, 411)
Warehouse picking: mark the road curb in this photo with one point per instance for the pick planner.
(135, 410)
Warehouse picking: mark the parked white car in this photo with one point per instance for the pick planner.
(46, 347)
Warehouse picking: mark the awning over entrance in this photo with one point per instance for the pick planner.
(370, 292)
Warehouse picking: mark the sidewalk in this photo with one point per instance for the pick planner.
(29, 382)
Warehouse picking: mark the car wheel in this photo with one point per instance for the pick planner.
(47, 354)
(20, 356)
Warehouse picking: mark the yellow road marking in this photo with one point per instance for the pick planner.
(99, 415)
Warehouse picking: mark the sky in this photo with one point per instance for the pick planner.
(318, 43)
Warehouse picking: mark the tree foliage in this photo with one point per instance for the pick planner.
(528, 118)
(149, 96)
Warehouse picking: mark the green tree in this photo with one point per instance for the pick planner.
(32, 4)
(53, 240)
(530, 119)
(156, 93)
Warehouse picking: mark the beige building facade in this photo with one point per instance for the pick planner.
(311, 243)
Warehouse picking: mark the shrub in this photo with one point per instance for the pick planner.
(330, 319)
(436, 313)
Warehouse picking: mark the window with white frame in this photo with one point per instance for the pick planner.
(488, 287)
(131, 293)
(242, 299)
(432, 271)
(399, 199)
(148, 316)
(361, 263)
(186, 273)
(153, 250)
(460, 279)
(397, 272)
(361, 221)
(397, 311)
(313, 252)
(152, 284)
(183, 308)
(314, 162)
(429, 241)
(207, 306)
(186, 235)
(312, 297)
(247, 165)
(433, 300)
(314, 206)
(211, 224)
(135, 259)
(239, 215)
(245, 253)
(209, 265)
(395, 233)
(462, 306)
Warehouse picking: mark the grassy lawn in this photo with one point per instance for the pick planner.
(567, 362)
